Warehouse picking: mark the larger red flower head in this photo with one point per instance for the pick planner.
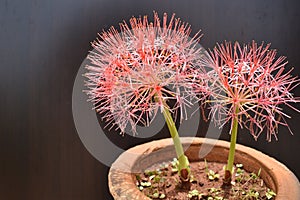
(133, 73)
(249, 83)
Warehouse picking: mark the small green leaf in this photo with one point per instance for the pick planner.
(239, 171)
(193, 193)
(162, 196)
(212, 175)
(218, 198)
(145, 184)
(206, 167)
(151, 177)
(238, 179)
(149, 172)
(192, 179)
(259, 171)
(253, 176)
(174, 162)
(157, 179)
(270, 194)
(213, 190)
(138, 177)
(252, 193)
(163, 166)
(155, 195)
(239, 165)
(174, 170)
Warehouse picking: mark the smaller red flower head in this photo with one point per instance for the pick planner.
(249, 83)
(133, 73)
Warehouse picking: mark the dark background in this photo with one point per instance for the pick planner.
(42, 44)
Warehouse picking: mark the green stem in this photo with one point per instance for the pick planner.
(183, 162)
(234, 130)
(183, 166)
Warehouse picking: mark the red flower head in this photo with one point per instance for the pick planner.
(133, 73)
(248, 83)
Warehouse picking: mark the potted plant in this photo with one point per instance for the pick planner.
(136, 73)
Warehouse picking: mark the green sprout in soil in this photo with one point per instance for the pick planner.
(242, 187)
(153, 179)
(174, 165)
(246, 181)
(251, 194)
(157, 195)
(194, 194)
(210, 173)
(270, 194)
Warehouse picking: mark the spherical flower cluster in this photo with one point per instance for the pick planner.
(135, 73)
(248, 83)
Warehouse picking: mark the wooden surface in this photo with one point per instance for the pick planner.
(42, 44)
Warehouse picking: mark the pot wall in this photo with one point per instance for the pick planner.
(122, 180)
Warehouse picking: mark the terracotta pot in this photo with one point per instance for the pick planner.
(122, 180)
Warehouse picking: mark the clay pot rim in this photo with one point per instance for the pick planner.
(279, 172)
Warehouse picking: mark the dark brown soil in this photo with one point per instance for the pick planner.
(162, 182)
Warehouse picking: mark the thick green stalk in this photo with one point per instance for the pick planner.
(183, 166)
(230, 161)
